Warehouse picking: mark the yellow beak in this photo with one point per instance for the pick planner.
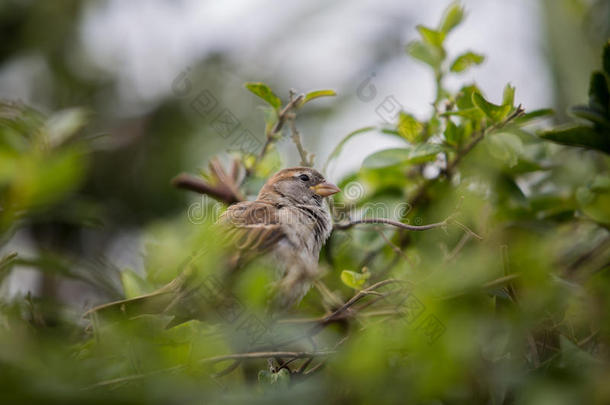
(325, 189)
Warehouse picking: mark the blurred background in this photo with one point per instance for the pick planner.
(137, 66)
(143, 84)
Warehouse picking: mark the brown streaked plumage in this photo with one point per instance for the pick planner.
(288, 220)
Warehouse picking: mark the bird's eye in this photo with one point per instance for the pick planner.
(304, 177)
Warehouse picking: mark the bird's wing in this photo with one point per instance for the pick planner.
(252, 226)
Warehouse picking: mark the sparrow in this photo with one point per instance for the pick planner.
(289, 222)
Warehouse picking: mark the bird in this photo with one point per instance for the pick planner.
(290, 222)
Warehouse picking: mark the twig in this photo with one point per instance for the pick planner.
(283, 114)
(321, 323)
(571, 270)
(281, 119)
(501, 280)
(401, 225)
(228, 369)
(389, 222)
(477, 137)
(466, 229)
(306, 158)
(133, 377)
(315, 368)
(303, 366)
(362, 293)
(332, 298)
(531, 341)
(217, 359)
(588, 338)
(263, 355)
(458, 247)
(395, 248)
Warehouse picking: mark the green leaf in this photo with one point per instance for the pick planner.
(269, 164)
(473, 114)
(506, 147)
(275, 380)
(601, 184)
(409, 128)
(316, 94)
(264, 92)
(452, 134)
(133, 284)
(6, 264)
(582, 136)
(494, 112)
(389, 157)
(465, 61)
(283, 377)
(270, 115)
(430, 36)
(453, 16)
(594, 199)
(464, 98)
(353, 279)
(591, 114)
(432, 127)
(335, 153)
(575, 357)
(64, 124)
(265, 377)
(599, 95)
(426, 53)
(530, 116)
(508, 96)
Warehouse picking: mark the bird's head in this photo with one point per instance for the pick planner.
(297, 185)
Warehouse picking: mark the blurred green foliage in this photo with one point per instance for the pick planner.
(520, 316)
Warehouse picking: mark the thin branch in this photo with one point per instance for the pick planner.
(264, 355)
(133, 377)
(596, 251)
(500, 281)
(588, 338)
(315, 368)
(386, 221)
(531, 341)
(303, 366)
(466, 229)
(479, 137)
(461, 153)
(279, 124)
(408, 227)
(395, 248)
(458, 247)
(327, 295)
(228, 369)
(283, 114)
(339, 314)
(306, 158)
(362, 293)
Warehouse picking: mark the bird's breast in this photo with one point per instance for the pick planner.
(306, 226)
